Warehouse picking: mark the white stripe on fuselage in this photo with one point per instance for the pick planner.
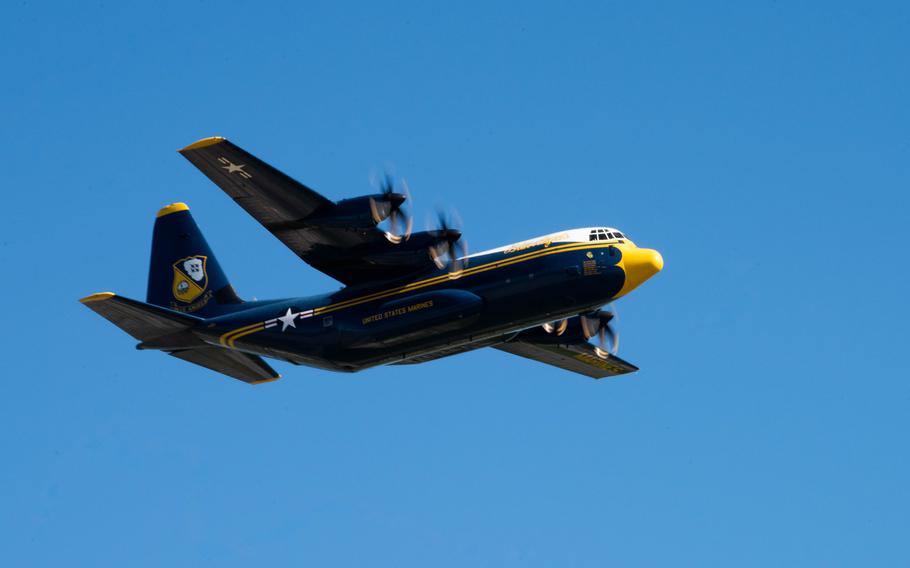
(569, 236)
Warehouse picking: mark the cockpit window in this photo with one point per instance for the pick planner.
(604, 235)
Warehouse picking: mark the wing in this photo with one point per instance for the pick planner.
(309, 224)
(577, 357)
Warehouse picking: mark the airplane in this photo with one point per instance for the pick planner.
(408, 297)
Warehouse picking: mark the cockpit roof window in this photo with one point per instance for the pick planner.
(601, 234)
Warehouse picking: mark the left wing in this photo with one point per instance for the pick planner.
(329, 236)
(578, 357)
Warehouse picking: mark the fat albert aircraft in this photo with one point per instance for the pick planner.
(407, 297)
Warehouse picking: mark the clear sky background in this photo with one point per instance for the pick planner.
(763, 149)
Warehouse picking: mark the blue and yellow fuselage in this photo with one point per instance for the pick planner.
(498, 294)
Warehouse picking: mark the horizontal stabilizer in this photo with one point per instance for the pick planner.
(242, 366)
(143, 321)
(170, 331)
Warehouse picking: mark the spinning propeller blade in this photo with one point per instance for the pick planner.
(558, 327)
(452, 249)
(597, 323)
(390, 206)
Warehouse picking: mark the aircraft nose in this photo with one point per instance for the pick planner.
(639, 264)
(651, 262)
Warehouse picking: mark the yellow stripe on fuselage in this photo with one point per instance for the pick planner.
(466, 272)
(225, 337)
(235, 336)
(230, 337)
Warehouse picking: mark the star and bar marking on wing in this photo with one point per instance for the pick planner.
(234, 168)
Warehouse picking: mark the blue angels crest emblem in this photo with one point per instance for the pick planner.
(190, 278)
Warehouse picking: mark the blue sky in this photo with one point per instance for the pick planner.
(761, 148)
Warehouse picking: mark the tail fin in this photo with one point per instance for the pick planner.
(184, 274)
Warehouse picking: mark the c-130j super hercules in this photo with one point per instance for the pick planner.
(407, 297)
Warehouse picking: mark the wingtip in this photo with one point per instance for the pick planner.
(268, 380)
(172, 208)
(100, 296)
(210, 141)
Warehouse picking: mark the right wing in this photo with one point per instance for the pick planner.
(578, 357)
(287, 209)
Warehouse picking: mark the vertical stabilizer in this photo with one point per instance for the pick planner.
(184, 274)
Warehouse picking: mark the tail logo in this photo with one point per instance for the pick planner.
(190, 278)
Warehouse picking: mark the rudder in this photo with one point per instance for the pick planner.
(184, 274)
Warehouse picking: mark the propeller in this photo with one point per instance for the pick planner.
(451, 249)
(558, 327)
(390, 206)
(597, 323)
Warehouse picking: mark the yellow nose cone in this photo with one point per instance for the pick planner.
(639, 264)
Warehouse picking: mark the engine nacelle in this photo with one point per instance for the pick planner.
(570, 332)
(413, 251)
(362, 212)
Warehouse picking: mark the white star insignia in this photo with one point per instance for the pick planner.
(288, 320)
(231, 167)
